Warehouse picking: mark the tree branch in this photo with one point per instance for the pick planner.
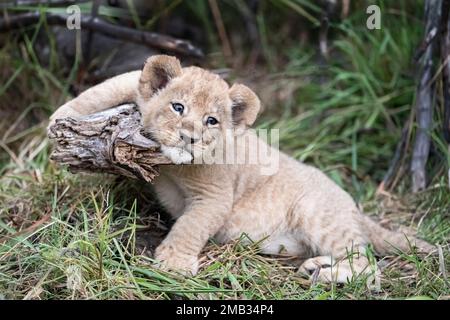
(424, 99)
(445, 60)
(108, 141)
(151, 39)
(16, 3)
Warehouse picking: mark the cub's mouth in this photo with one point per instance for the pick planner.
(152, 136)
(177, 154)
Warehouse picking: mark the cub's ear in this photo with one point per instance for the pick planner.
(156, 74)
(245, 107)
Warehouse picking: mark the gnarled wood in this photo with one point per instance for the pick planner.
(108, 141)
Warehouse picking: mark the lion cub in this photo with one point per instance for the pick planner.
(297, 209)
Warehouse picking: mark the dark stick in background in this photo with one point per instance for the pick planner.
(151, 39)
(394, 166)
(16, 3)
(437, 31)
(424, 99)
(445, 60)
(94, 14)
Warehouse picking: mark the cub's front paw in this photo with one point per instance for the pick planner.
(169, 259)
(177, 155)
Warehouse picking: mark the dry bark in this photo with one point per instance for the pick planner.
(110, 141)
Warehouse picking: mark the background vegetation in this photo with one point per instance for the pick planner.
(65, 236)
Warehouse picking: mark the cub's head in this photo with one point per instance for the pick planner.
(191, 108)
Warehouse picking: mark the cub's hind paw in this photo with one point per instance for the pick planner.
(168, 259)
(324, 269)
(320, 269)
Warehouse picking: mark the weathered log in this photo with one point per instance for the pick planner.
(110, 141)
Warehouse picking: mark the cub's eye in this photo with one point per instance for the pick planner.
(211, 121)
(178, 107)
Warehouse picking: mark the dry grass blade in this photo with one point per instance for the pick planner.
(29, 229)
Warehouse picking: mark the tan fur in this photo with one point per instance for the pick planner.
(298, 208)
(118, 90)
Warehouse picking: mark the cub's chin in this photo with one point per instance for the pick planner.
(177, 155)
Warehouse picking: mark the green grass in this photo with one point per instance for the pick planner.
(92, 248)
(65, 236)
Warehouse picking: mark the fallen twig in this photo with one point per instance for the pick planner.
(94, 14)
(226, 47)
(16, 3)
(395, 162)
(29, 229)
(323, 36)
(151, 39)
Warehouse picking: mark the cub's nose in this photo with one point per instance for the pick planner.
(188, 139)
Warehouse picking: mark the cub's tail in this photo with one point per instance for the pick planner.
(386, 241)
